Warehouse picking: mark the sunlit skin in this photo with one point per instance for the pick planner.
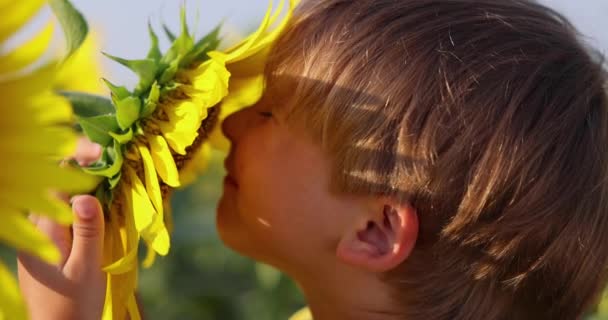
(277, 207)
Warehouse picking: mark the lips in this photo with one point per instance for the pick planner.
(230, 181)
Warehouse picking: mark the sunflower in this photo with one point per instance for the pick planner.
(153, 138)
(35, 137)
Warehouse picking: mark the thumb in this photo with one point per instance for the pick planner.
(88, 232)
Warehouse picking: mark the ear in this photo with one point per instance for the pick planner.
(382, 240)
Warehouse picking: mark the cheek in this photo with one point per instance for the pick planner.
(281, 198)
(284, 193)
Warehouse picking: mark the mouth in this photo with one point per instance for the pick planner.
(229, 181)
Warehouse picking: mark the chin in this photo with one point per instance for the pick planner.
(227, 226)
(236, 237)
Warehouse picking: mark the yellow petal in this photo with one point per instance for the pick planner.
(157, 237)
(181, 130)
(163, 160)
(143, 211)
(152, 185)
(82, 71)
(124, 242)
(133, 309)
(244, 92)
(27, 53)
(119, 289)
(36, 174)
(194, 166)
(19, 232)
(243, 48)
(150, 257)
(32, 84)
(209, 81)
(15, 14)
(246, 62)
(11, 303)
(124, 264)
(41, 143)
(302, 314)
(44, 204)
(218, 140)
(263, 42)
(60, 113)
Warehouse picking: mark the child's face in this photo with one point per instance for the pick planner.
(276, 205)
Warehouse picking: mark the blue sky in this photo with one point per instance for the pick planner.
(123, 32)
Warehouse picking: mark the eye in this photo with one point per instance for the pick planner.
(265, 114)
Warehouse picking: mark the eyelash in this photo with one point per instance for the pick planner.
(265, 114)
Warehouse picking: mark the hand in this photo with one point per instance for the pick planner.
(75, 288)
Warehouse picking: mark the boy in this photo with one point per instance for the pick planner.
(410, 159)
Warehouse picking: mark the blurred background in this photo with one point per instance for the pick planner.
(201, 279)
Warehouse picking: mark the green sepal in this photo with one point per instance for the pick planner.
(181, 45)
(122, 138)
(154, 52)
(113, 181)
(88, 105)
(138, 129)
(118, 92)
(169, 33)
(152, 100)
(110, 163)
(184, 23)
(199, 52)
(97, 128)
(127, 111)
(72, 22)
(170, 71)
(168, 87)
(145, 68)
(101, 194)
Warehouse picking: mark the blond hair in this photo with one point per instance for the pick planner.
(489, 117)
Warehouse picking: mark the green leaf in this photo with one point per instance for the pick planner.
(122, 138)
(88, 105)
(72, 22)
(113, 164)
(168, 87)
(146, 70)
(113, 181)
(154, 52)
(181, 45)
(184, 23)
(152, 100)
(170, 72)
(127, 111)
(118, 92)
(97, 128)
(169, 33)
(199, 52)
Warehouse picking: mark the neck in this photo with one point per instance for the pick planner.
(347, 294)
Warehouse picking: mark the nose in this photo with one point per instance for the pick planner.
(234, 125)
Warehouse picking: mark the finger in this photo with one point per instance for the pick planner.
(35, 274)
(87, 233)
(87, 152)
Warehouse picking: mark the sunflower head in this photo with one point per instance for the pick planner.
(151, 136)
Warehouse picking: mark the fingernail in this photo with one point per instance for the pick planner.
(85, 208)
